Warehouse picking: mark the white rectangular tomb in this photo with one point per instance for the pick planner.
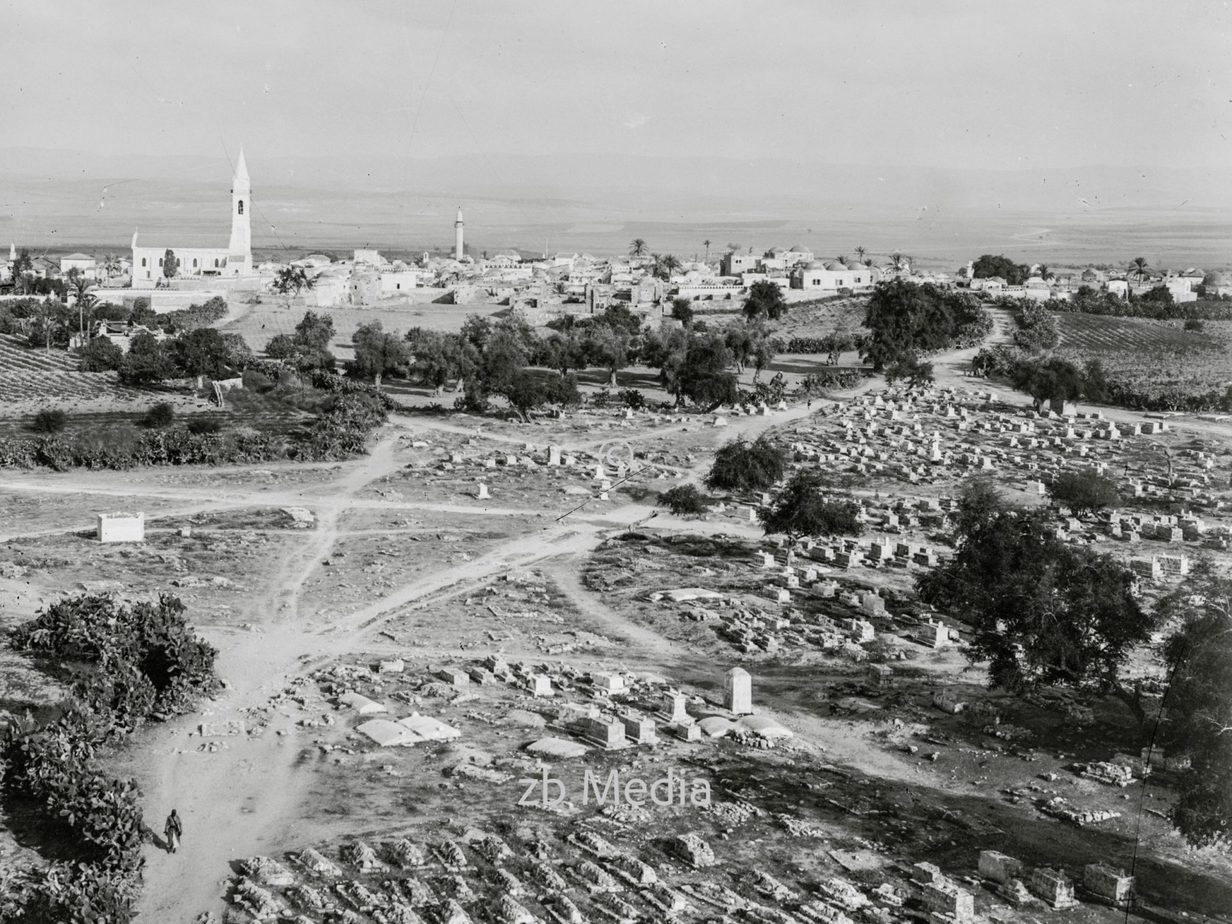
(121, 527)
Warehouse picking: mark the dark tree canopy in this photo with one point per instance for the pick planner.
(378, 353)
(801, 508)
(1084, 491)
(1042, 611)
(1199, 704)
(906, 321)
(148, 361)
(685, 501)
(744, 466)
(1049, 380)
(988, 266)
(765, 300)
(705, 376)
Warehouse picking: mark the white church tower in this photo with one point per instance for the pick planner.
(239, 253)
(458, 249)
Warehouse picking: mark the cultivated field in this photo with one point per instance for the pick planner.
(1159, 363)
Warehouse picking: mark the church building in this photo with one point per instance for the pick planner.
(233, 260)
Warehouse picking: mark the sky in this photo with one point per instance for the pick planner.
(353, 113)
(944, 83)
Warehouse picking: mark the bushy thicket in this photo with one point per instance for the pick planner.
(349, 412)
(909, 321)
(828, 344)
(745, 466)
(128, 663)
(194, 316)
(1037, 328)
(827, 379)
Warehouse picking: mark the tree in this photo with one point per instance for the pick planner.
(860, 252)
(562, 351)
(682, 310)
(637, 247)
(1199, 703)
(664, 265)
(1053, 380)
(916, 373)
(665, 348)
(22, 270)
(706, 243)
(744, 466)
(171, 264)
(527, 390)
(147, 362)
(1139, 267)
(100, 355)
(112, 265)
(159, 415)
(49, 420)
(201, 352)
(608, 348)
(308, 348)
(377, 353)
(1042, 611)
(684, 500)
(1084, 492)
(291, 280)
(765, 300)
(436, 358)
(800, 509)
(906, 321)
(988, 266)
(705, 375)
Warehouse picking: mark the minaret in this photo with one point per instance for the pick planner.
(239, 253)
(458, 249)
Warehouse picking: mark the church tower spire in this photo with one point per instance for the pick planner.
(239, 253)
(458, 248)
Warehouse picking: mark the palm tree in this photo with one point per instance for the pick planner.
(665, 264)
(706, 244)
(860, 252)
(1045, 272)
(637, 247)
(1139, 267)
(112, 264)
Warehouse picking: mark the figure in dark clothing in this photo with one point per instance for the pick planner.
(173, 831)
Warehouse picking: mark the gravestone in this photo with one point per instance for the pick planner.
(738, 691)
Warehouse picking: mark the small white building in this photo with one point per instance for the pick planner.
(398, 282)
(82, 262)
(121, 527)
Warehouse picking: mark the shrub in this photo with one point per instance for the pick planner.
(632, 398)
(744, 466)
(100, 355)
(204, 425)
(159, 415)
(49, 420)
(684, 501)
(1194, 324)
(1084, 491)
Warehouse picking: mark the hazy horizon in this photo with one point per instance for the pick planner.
(1089, 134)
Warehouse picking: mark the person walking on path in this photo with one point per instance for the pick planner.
(173, 831)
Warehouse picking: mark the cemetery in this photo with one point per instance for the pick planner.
(488, 610)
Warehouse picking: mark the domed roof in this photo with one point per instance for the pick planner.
(834, 265)
(815, 265)
(1221, 278)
